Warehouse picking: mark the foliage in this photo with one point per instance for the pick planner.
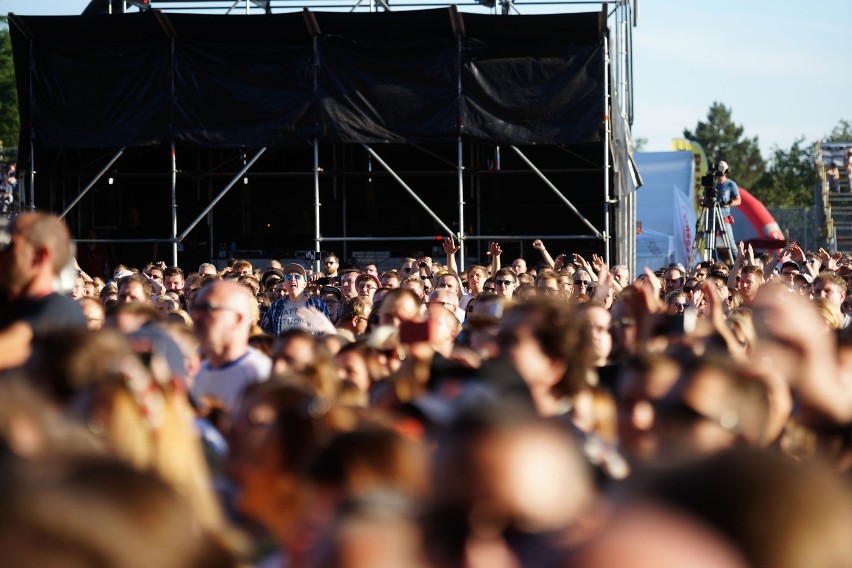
(840, 133)
(790, 177)
(722, 139)
(9, 118)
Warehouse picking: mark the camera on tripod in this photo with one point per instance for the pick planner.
(708, 183)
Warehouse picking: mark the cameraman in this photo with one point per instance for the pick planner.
(727, 195)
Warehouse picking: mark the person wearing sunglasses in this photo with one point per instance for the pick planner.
(331, 265)
(676, 302)
(505, 282)
(582, 283)
(282, 314)
(221, 315)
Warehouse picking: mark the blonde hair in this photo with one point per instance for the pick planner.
(829, 313)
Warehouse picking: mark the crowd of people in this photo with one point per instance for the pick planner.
(544, 412)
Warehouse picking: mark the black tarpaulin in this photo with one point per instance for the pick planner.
(404, 77)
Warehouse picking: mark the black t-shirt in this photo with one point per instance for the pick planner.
(53, 311)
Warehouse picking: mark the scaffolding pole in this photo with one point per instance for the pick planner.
(174, 207)
(558, 193)
(92, 183)
(317, 234)
(607, 132)
(410, 191)
(221, 194)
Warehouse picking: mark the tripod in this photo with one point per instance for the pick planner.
(710, 221)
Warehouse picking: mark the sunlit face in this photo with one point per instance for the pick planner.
(504, 285)
(132, 291)
(674, 279)
(475, 279)
(677, 305)
(748, 285)
(347, 285)
(217, 313)
(829, 291)
(173, 282)
(366, 288)
(622, 276)
(331, 265)
(294, 283)
(390, 280)
(448, 282)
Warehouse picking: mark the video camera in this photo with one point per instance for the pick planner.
(708, 184)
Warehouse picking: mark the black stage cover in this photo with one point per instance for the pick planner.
(289, 79)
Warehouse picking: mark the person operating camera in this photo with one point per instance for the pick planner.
(727, 195)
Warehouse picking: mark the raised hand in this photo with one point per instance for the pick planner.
(598, 264)
(450, 246)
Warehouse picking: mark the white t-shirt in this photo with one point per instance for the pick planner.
(228, 382)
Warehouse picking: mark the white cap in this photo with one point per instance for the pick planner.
(722, 167)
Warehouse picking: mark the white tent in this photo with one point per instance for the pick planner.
(653, 250)
(664, 204)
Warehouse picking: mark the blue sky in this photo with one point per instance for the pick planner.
(782, 66)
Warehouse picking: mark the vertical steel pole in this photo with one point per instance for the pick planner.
(317, 237)
(460, 163)
(607, 133)
(31, 188)
(174, 207)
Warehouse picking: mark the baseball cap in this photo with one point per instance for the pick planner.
(293, 267)
(272, 273)
(333, 290)
(372, 277)
(722, 166)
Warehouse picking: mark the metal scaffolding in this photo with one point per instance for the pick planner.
(616, 236)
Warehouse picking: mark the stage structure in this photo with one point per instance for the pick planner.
(298, 130)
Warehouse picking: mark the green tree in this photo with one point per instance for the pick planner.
(790, 178)
(722, 139)
(10, 121)
(840, 133)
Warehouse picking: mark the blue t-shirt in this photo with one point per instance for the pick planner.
(726, 191)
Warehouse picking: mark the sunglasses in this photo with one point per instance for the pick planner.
(582, 282)
(503, 282)
(488, 289)
(679, 305)
(296, 277)
(688, 289)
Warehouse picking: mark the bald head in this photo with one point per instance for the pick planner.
(45, 231)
